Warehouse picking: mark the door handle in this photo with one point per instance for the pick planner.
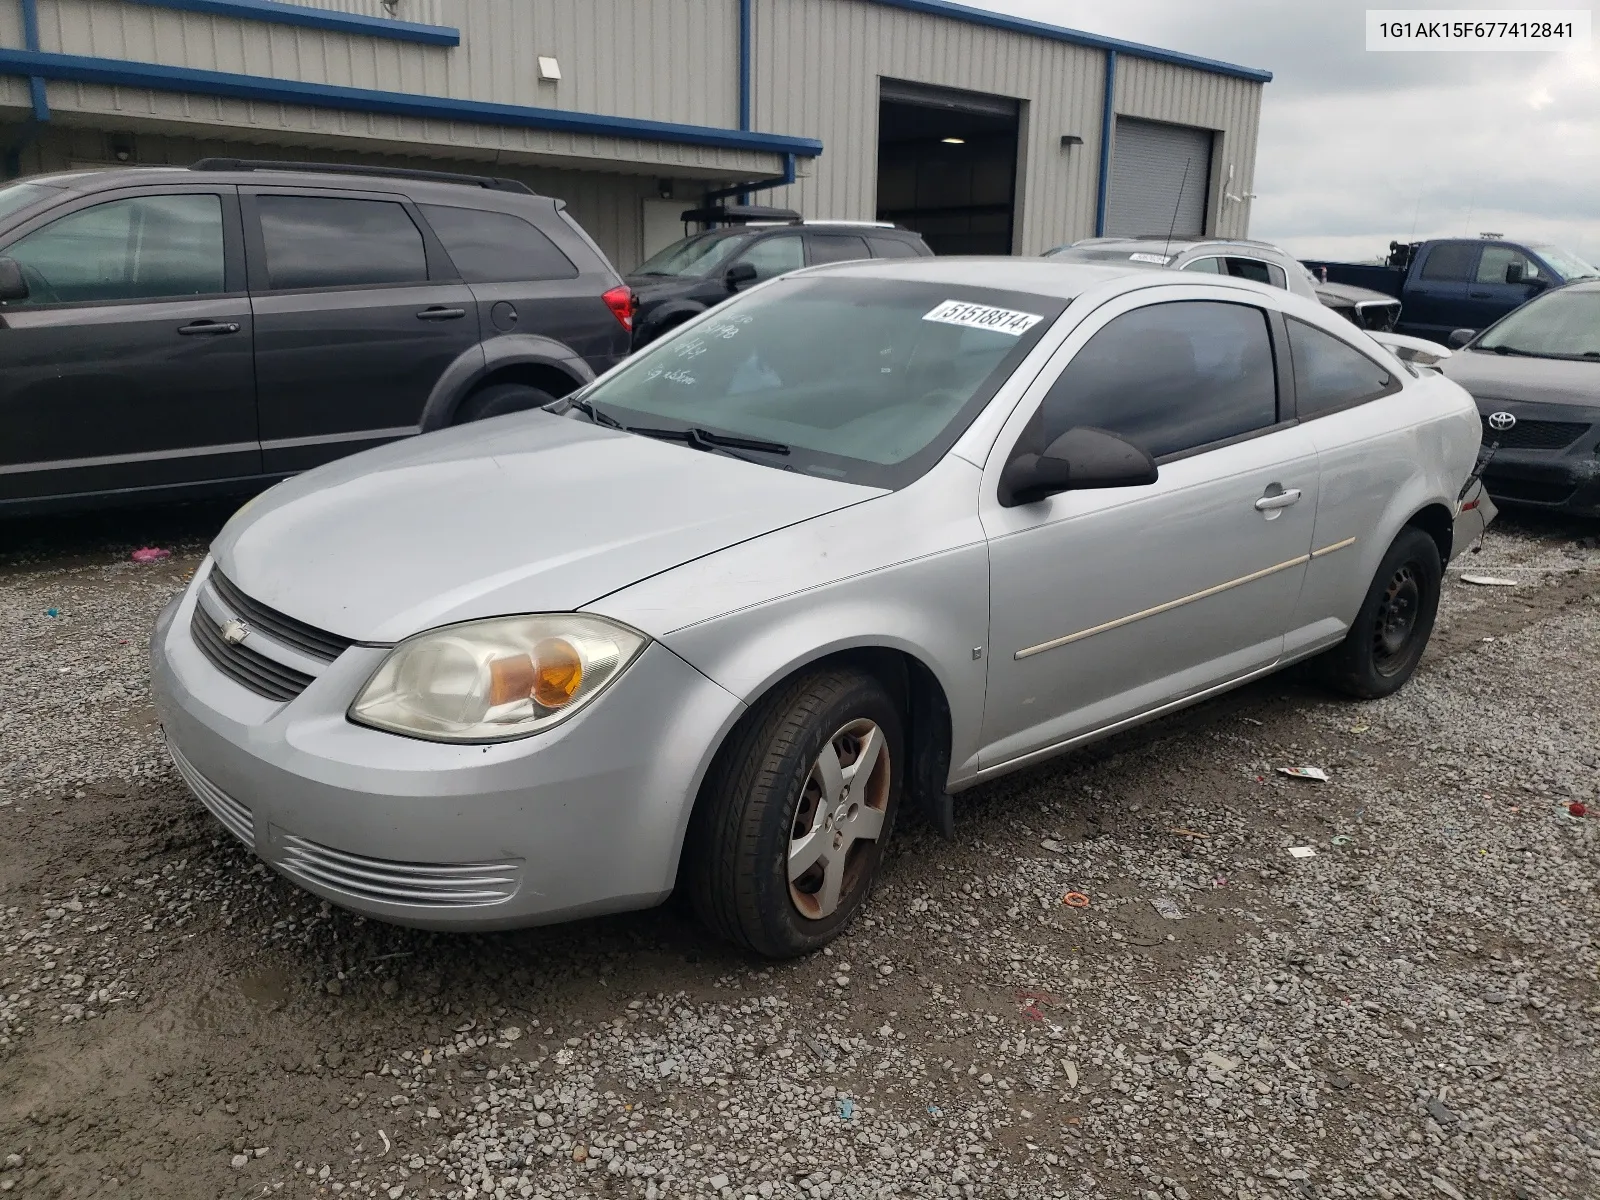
(1278, 500)
(440, 313)
(208, 328)
(1478, 295)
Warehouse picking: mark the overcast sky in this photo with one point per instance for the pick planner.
(1358, 148)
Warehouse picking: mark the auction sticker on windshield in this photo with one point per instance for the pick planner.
(981, 316)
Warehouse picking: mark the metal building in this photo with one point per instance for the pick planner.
(987, 133)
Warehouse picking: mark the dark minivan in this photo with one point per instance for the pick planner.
(167, 332)
(690, 276)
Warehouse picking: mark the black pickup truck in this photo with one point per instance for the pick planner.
(1459, 283)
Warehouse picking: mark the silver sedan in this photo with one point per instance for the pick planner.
(849, 544)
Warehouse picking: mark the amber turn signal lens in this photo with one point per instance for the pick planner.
(510, 679)
(557, 672)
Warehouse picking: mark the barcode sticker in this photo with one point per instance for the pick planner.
(981, 316)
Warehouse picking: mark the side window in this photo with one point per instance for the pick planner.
(1252, 269)
(1492, 266)
(775, 255)
(1452, 261)
(1330, 375)
(492, 247)
(893, 248)
(836, 247)
(326, 241)
(142, 248)
(1205, 266)
(1276, 277)
(1170, 377)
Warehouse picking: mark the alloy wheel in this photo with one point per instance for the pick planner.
(839, 819)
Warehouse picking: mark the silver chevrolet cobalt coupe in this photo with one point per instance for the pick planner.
(859, 539)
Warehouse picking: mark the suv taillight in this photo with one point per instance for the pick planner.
(620, 301)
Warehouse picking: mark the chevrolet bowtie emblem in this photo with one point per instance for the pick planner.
(233, 632)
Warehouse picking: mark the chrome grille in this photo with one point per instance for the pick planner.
(435, 885)
(318, 643)
(245, 666)
(235, 816)
(1534, 435)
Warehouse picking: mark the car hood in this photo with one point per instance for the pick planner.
(1490, 377)
(651, 288)
(1333, 294)
(524, 513)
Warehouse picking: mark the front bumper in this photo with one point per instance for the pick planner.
(1565, 477)
(585, 818)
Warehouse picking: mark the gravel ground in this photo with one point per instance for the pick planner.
(1411, 1012)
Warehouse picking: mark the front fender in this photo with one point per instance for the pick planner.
(478, 362)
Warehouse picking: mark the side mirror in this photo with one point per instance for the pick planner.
(740, 274)
(1079, 458)
(1514, 272)
(1460, 337)
(12, 285)
(1538, 285)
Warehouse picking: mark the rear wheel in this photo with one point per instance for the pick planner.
(795, 814)
(497, 399)
(1389, 634)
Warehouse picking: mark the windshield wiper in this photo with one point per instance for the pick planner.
(1512, 350)
(704, 439)
(587, 408)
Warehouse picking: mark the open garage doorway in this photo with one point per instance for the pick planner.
(947, 166)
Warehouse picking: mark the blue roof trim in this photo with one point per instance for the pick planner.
(117, 72)
(1056, 33)
(315, 18)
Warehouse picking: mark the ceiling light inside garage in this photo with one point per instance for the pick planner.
(954, 141)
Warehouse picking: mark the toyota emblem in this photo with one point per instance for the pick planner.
(1502, 420)
(233, 632)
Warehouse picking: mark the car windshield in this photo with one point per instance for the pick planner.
(693, 256)
(15, 197)
(1565, 263)
(1132, 258)
(1560, 324)
(864, 380)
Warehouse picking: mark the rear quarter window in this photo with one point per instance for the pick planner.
(495, 247)
(1329, 375)
(895, 248)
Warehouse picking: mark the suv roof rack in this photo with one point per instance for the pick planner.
(740, 214)
(491, 182)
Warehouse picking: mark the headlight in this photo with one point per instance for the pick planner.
(491, 681)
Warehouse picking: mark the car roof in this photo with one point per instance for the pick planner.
(1143, 241)
(1041, 276)
(111, 178)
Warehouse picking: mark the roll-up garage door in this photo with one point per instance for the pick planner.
(1158, 170)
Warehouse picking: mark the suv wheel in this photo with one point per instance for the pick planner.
(796, 813)
(497, 399)
(1389, 634)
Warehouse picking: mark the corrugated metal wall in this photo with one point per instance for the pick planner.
(817, 66)
(1229, 106)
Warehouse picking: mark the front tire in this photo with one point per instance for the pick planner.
(1389, 634)
(498, 399)
(795, 813)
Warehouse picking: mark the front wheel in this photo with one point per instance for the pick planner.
(1389, 634)
(795, 814)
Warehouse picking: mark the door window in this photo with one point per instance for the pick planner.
(1329, 375)
(1205, 266)
(326, 241)
(893, 248)
(1252, 269)
(1492, 266)
(141, 248)
(1451, 261)
(835, 247)
(1170, 377)
(774, 256)
(493, 247)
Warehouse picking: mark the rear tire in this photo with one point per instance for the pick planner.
(1389, 634)
(785, 842)
(498, 399)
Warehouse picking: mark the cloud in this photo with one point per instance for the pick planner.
(1358, 147)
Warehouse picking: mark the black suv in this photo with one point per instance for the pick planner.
(173, 331)
(690, 276)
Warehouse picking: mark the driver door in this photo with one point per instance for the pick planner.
(130, 363)
(1109, 604)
